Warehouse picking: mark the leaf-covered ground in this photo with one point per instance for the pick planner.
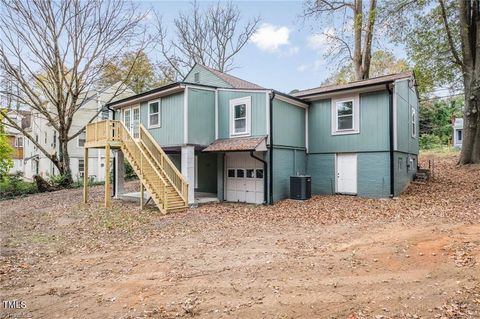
(417, 256)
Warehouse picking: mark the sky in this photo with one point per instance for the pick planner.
(285, 53)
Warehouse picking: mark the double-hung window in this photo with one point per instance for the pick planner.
(19, 141)
(240, 116)
(81, 139)
(345, 116)
(154, 114)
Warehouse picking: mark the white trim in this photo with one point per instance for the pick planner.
(244, 90)
(159, 113)
(413, 121)
(132, 120)
(198, 87)
(149, 97)
(334, 95)
(355, 115)
(185, 115)
(306, 130)
(395, 124)
(291, 101)
(247, 100)
(267, 116)
(216, 114)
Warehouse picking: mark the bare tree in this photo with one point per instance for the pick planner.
(353, 41)
(56, 52)
(211, 38)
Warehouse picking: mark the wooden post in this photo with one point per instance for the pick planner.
(141, 195)
(85, 175)
(107, 175)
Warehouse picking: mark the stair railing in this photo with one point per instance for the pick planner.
(165, 163)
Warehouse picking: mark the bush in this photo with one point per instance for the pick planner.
(129, 172)
(13, 186)
(429, 141)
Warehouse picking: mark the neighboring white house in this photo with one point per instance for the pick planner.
(16, 139)
(36, 163)
(457, 124)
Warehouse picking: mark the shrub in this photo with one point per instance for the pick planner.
(429, 141)
(129, 172)
(14, 186)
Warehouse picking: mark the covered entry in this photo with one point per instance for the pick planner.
(244, 166)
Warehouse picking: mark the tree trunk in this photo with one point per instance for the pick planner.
(63, 163)
(357, 49)
(471, 129)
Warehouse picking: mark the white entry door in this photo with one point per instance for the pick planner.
(346, 173)
(244, 179)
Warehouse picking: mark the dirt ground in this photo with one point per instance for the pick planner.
(417, 256)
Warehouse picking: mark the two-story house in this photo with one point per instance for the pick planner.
(243, 142)
(16, 139)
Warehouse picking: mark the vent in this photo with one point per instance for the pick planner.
(196, 77)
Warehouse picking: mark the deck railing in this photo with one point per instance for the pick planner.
(103, 132)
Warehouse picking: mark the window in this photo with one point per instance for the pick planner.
(345, 115)
(54, 144)
(19, 141)
(240, 116)
(459, 135)
(45, 134)
(240, 173)
(81, 139)
(127, 114)
(250, 173)
(259, 173)
(81, 166)
(414, 123)
(231, 173)
(154, 114)
(196, 77)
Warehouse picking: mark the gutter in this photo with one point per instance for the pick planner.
(390, 129)
(265, 188)
(270, 175)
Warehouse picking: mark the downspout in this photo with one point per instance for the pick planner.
(265, 188)
(270, 177)
(114, 173)
(390, 120)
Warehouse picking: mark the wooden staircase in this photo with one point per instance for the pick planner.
(165, 184)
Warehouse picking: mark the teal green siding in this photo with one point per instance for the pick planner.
(205, 77)
(201, 116)
(406, 99)
(373, 174)
(220, 172)
(288, 124)
(286, 162)
(321, 167)
(404, 170)
(207, 171)
(258, 112)
(171, 130)
(374, 126)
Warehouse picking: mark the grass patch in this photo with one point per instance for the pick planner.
(440, 151)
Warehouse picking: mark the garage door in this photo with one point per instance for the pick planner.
(244, 178)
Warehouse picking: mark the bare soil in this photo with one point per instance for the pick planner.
(417, 256)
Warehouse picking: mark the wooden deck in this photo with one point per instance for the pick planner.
(158, 175)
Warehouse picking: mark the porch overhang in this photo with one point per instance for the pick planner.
(238, 144)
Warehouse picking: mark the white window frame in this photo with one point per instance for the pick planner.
(355, 115)
(81, 171)
(248, 105)
(78, 139)
(18, 138)
(159, 114)
(414, 123)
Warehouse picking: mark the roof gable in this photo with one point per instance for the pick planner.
(201, 74)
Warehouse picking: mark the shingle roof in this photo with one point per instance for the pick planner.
(235, 144)
(355, 84)
(235, 82)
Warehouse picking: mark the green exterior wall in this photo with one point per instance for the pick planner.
(406, 99)
(201, 116)
(288, 124)
(220, 173)
(373, 174)
(170, 132)
(207, 171)
(258, 112)
(321, 167)
(286, 162)
(205, 77)
(374, 126)
(404, 172)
